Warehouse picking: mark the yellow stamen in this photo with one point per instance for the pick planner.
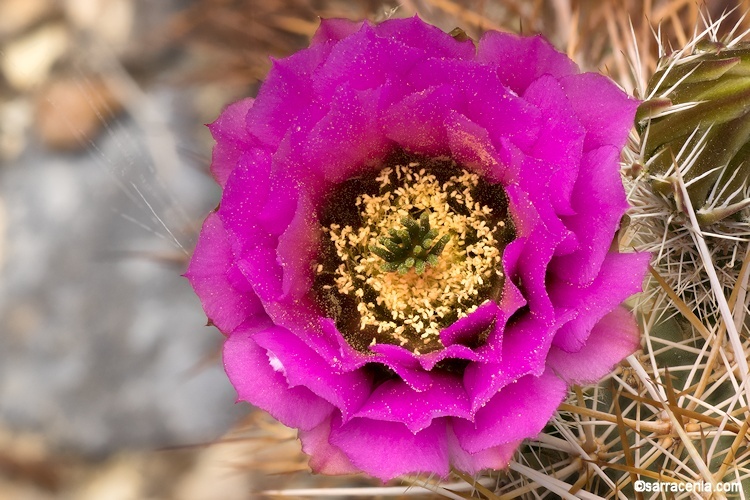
(450, 287)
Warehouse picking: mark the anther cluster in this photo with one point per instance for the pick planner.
(425, 253)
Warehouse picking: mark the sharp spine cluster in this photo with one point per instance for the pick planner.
(695, 125)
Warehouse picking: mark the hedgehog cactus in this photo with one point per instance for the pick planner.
(696, 124)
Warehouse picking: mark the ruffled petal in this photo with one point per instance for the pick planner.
(246, 193)
(522, 60)
(560, 140)
(349, 135)
(605, 111)
(260, 381)
(496, 457)
(296, 248)
(388, 449)
(612, 339)
(526, 345)
(469, 328)
(395, 401)
(303, 367)
(227, 297)
(519, 411)
(471, 146)
(413, 369)
(285, 93)
(324, 457)
(488, 102)
(599, 202)
(372, 59)
(417, 123)
(416, 33)
(232, 139)
(621, 276)
(405, 364)
(334, 30)
(535, 246)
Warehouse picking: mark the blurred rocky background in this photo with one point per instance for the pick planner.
(110, 385)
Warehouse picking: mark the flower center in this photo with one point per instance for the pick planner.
(409, 251)
(411, 247)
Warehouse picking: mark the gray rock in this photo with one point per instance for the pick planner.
(101, 349)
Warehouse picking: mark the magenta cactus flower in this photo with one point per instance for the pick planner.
(412, 259)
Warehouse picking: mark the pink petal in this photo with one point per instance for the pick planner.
(539, 232)
(304, 367)
(349, 136)
(429, 360)
(284, 191)
(395, 401)
(404, 363)
(484, 98)
(612, 339)
(324, 457)
(414, 369)
(365, 61)
(260, 267)
(496, 457)
(521, 60)
(225, 295)
(560, 141)
(526, 345)
(519, 411)
(296, 248)
(232, 139)
(465, 329)
(261, 384)
(388, 449)
(334, 30)
(286, 92)
(416, 33)
(418, 122)
(599, 201)
(501, 113)
(471, 146)
(621, 276)
(605, 111)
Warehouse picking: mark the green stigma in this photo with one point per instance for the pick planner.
(414, 246)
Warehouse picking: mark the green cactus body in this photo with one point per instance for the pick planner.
(698, 121)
